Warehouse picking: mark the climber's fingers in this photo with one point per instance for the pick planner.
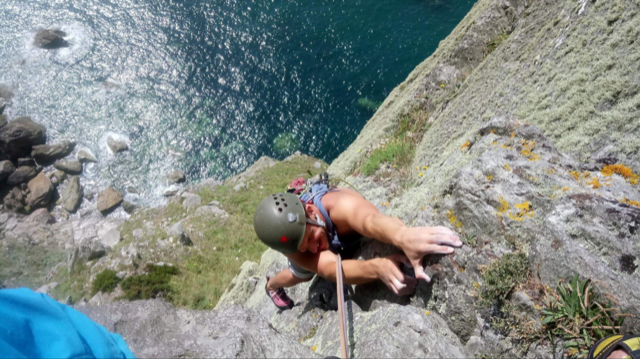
(436, 249)
(445, 236)
(419, 270)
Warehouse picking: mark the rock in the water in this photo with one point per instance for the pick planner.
(50, 39)
(5, 93)
(72, 195)
(29, 162)
(178, 231)
(19, 136)
(41, 216)
(46, 154)
(85, 155)
(128, 207)
(41, 190)
(14, 200)
(22, 175)
(175, 177)
(108, 200)
(230, 333)
(57, 177)
(171, 191)
(6, 169)
(3, 118)
(117, 146)
(70, 167)
(132, 190)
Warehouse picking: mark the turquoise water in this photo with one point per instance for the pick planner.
(208, 87)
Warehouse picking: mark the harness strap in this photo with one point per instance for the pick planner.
(341, 315)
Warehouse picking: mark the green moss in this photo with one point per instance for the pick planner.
(495, 42)
(150, 285)
(395, 153)
(503, 275)
(106, 281)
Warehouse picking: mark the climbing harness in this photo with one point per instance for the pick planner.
(341, 314)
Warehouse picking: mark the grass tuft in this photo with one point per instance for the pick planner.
(106, 281)
(151, 285)
(503, 275)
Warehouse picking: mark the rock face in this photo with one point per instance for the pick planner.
(117, 146)
(50, 39)
(175, 177)
(41, 216)
(69, 167)
(108, 200)
(72, 195)
(18, 136)
(40, 191)
(46, 154)
(14, 200)
(154, 329)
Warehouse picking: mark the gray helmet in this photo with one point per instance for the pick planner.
(280, 222)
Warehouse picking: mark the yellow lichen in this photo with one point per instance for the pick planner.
(594, 182)
(420, 174)
(551, 171)
(465, 145)
(630, 202)
(507, 147)
(507, 167)
(503, 206)
(524, 211)
(565, 189)
(425, 167)
(314, 348)
(442, 85)
(621, 170)
(426, 312)
(453, 220)
(493, 131)
(489, 178)
(513, 134)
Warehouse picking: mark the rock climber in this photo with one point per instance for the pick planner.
(311, 229)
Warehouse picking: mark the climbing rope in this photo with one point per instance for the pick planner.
(341, 314)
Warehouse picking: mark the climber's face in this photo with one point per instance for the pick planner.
(315, 237)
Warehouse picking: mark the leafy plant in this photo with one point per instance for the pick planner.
(105, 282)
(495, 42)
(150, 285)
(577, 314)
(503, 275)
(469, 239)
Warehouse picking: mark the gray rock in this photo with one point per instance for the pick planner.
(14, 200)
(19, 136)
(108, 200)
(229, 333)
(175, 177)
(190, 201)
(69, 167)
(28, 162)
(41, 216)
(21, 175)
(46, 289)
(3, 118)
(171, 191)
(138, 234)
(132, 190)
(85, 156)
(46, 154)
(40, 191)
(50, 39)
(317, 165)
(212, 209)
(178, 231)
(5, 93)
(128, 207)
(117, 146)
(6, 169)
(72, 195)
(240, 187)
(110, 238)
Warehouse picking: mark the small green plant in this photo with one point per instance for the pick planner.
(503, 275)
(495, 42)
(580, 316)
(469, 239)
(105, 282)
(396, 153)
(150, 285)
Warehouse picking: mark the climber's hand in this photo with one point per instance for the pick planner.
(389, 272)
(417, 242)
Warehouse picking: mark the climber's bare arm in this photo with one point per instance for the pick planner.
(359, 272)
(354, 211)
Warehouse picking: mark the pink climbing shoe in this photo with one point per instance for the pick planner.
(279, 297)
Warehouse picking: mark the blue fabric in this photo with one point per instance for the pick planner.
(32, 325)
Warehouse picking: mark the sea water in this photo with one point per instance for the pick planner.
(208, 87)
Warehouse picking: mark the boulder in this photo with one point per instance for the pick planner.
(40, 191)
(117, 146)
(177, 230)
(28, 161)
(212, 209)
(14, 200)
(5, 93)
(110, 238)
(22, 175)
(72, 195)
(108, 200)
(41, 216)
(6, 169)
(3, 118)
(46, 154)
(19, 136)
(191, 200)
(85, 155)
(50, 39)
(2, 107)
(57, 177)
(128, 207)
(175, 177)
(70, 167)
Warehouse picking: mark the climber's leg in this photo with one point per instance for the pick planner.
(285, 279)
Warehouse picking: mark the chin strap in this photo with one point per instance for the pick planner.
(341, 314)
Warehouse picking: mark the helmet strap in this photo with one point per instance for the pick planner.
(318, 222)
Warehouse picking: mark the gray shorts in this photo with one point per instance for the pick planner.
(298, 271)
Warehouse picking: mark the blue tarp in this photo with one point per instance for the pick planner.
(32, 325)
